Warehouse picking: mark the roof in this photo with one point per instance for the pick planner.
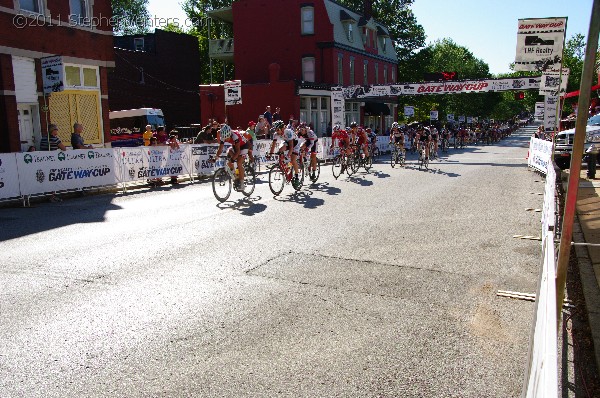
(222, 14)
(340, 16)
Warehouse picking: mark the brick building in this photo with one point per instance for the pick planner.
(79, 33)
(293, 59)
(157, 70)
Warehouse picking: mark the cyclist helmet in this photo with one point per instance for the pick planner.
(278, 124)
(353, 124)
(225, 132)
(395, 125)
(337, 127)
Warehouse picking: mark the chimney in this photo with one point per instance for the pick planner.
(368, 9)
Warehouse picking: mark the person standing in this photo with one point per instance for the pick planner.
(147, 135)
(269, 116)
(55, 142)
(161, 135)
(173, 143)
(277, 114)
(77, 139)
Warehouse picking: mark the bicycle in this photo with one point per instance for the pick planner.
(398, 156)
(444, 145)
(304, 163)
(360, 160)
(224, 178)
(342, 162)
(374, 151)
(256, 163)
(423, 159)
(282, 173)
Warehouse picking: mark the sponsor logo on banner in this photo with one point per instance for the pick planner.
(550, 108)
(337, 106)
(9, 176)
(433, 115)
(552, 79)
(233, 92)
(52, 74)
(409, 111)
(539, 43)
(539, 111)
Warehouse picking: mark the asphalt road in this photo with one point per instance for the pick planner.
(381, 285)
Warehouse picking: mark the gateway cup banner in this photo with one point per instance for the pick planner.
(9, 176)
(41, 172)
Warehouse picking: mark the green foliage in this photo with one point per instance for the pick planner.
(131, 16)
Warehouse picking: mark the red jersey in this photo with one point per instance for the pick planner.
(238, 136)
(342, 137)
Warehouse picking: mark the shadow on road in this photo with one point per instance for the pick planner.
(40, 217)
(304, 198)
(246, 206)
(360, 181)
(325, 188)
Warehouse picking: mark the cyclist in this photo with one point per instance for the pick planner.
(446, 136)
(362, 140)
(309, 146)
(290, 141)
(434, 138)
(342, 137)
(397, 137)
(372, 139)
(239, 141)
(424, 136)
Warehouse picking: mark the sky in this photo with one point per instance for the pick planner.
(488, 28)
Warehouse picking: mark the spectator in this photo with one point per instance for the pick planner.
(31, 148)
(161, 135)
(277, 114)
(252, 133)
(147, 135)
(77, 139)
(154, 182)
(173, 143)
(55, 142)
(328, 130)
(203, 136)
(262, 128)
(268, 116)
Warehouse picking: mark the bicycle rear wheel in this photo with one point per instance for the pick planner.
(368, 163)
(221, 185)
(276, 180)
(394, 158)
(249, 181)
(300, 181)
(314, 176)
(337, 168)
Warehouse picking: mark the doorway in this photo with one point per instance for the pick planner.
(26, 126)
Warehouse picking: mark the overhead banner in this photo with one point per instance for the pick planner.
(50, 171)
(9, 176)
(540, 43)
(551, 80)
(447, 87)
(433, 115)
(550, 107)
(337, 106)
(409, 111)
(539, 111)
(233, 92)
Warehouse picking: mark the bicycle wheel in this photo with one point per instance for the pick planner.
(368, 163)
(394, 157)
(300, 181)
(351, 165)
(276, 180)
(402, 158)
(256, 164)
(337, 168)
(249, 181)
(355, 165)
(221, 185)
(315, 175)
(375, 153)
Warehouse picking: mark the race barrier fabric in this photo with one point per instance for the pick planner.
(33, 173)
(541, 374)
(540, 155)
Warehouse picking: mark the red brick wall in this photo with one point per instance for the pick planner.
(9, 122)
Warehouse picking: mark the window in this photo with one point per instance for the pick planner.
(308, 20)
(308, 69)
(385, 80)
(341, 69)
(352, 112)
(79, 12)
(352, 71)
(366, 73)
(393, 73)
(376, 73)
(78, 76)
(138, 43)
(31, 5)
(315, 111)
(383, 44)
(350, 31)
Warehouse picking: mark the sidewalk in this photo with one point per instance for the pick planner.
(588, 230)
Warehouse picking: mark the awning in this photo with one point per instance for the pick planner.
(576, 93)
(376, 109)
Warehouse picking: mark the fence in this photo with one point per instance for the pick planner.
(35, 173)
(541, 375)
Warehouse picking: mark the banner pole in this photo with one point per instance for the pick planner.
(556, 129)
(576, 157)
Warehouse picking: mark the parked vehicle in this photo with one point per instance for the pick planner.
(564, 142)
(127, 127)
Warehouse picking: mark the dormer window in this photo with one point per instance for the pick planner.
(383, 42)
(383, 38)
(350, 31)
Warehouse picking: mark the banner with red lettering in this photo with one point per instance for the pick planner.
(540, 43)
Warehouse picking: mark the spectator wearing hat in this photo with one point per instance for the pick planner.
(252, 133)
(52, 138)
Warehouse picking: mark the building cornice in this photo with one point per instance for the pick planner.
(355, 50)
(19, 52)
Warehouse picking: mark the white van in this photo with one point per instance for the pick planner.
(127, 127)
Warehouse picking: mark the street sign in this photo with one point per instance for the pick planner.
(52, 74)
(433, 115)
(539, 43)
(450, 117)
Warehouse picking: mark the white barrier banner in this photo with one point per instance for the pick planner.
(9, 176)
(540, 155)
(550, 107)
(162, 161)
(41, 172)
(549, 213)
(132, 165)
(200, 155)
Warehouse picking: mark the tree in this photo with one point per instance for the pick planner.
(130, 16)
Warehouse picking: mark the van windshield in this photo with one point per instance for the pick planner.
(156, 120)
(594, 121)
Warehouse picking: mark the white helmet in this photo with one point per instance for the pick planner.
(395, 125)
(225, 132)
